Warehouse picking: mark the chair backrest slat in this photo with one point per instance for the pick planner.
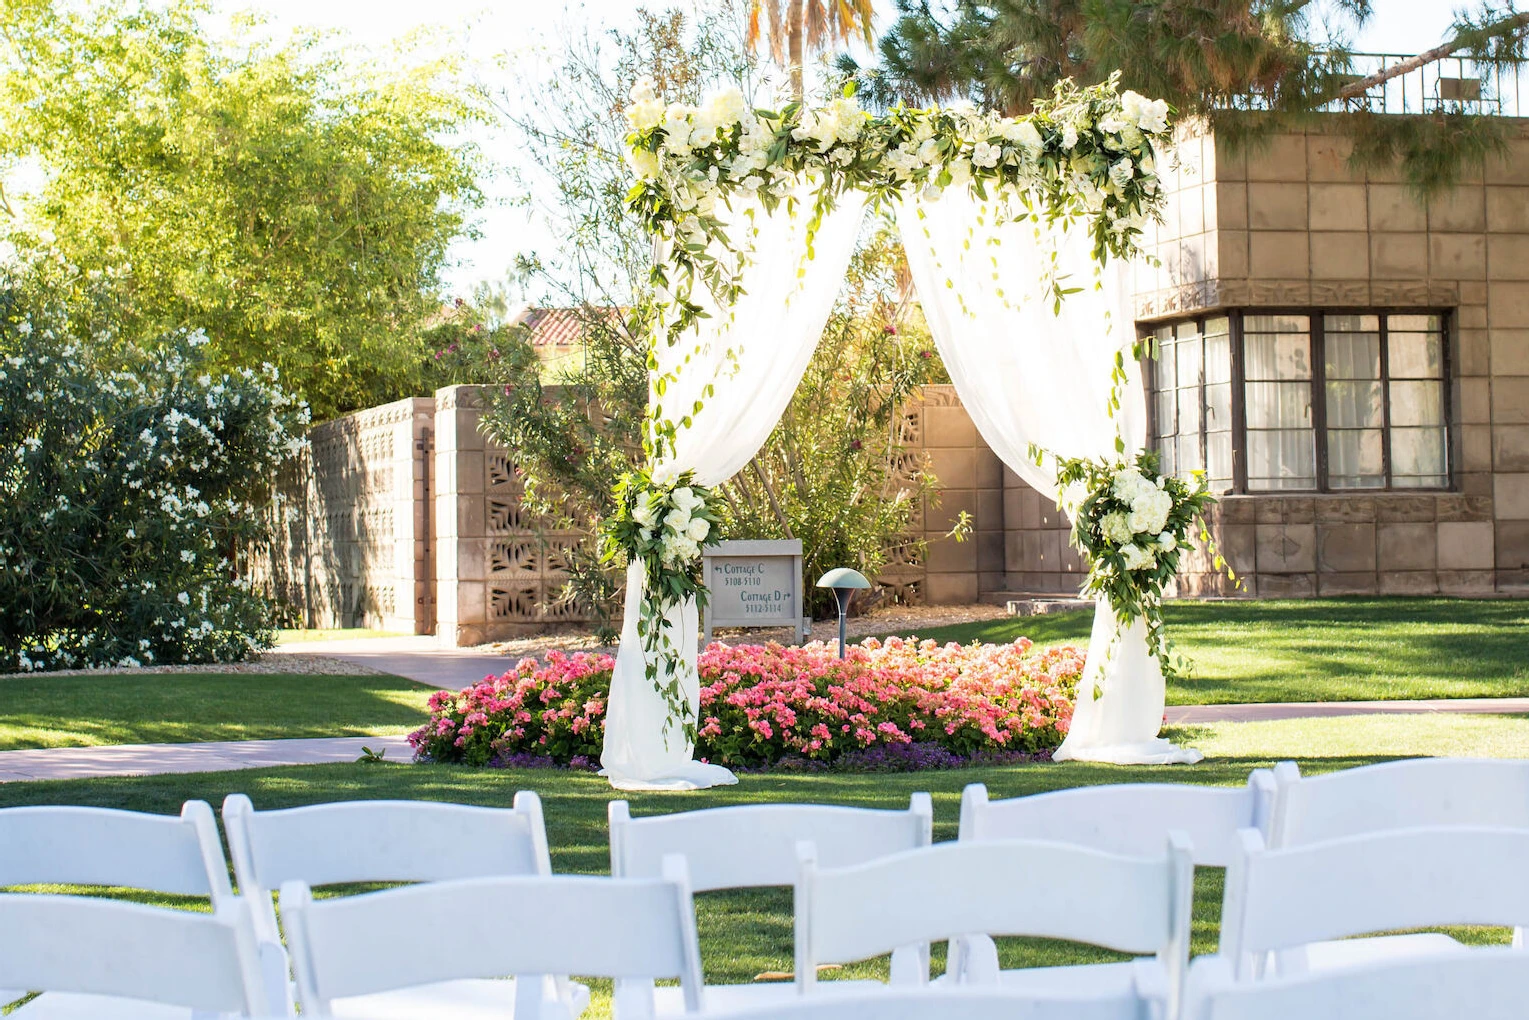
(106, 947)
(384, 841)
(755, 845)
(1487, 983)
(1280, 899)
(491, 927)
(1128, 819)
(1399, 795)
(101, 846)
(1002, 887)
(941, 1004)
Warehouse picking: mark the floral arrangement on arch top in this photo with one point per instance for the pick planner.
(1086, 152)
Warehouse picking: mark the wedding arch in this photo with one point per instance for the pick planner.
(1019, 235)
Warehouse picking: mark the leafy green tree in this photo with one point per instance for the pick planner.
(1253, 66)
(294, 202)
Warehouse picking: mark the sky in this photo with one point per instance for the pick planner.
(489, 30)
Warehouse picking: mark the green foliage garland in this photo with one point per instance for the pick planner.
(1133, 524)
(663, 525)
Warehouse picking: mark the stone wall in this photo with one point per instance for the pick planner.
(351, 543)
(1289, 225)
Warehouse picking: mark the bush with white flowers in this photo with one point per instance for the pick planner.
(1132, 524)
(128, 498)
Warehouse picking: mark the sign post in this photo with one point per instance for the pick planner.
(756, 583)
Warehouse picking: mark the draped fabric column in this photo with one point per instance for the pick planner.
(753, 355)
(1028, 373)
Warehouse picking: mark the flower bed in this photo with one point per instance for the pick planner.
(762, 704)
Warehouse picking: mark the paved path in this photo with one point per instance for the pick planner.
(158, 759)
(418, 657)
(224, 756)
(1192, 714)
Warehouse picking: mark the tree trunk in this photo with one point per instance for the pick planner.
(1363, 85)
(794, 29)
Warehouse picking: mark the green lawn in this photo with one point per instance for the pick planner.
(1319, 649)
(81, 711)
(747, 933)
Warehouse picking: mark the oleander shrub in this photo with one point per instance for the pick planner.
(918, 702)
(130, 480)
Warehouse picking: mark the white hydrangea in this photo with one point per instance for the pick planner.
(1135, 556)
(1115, 528)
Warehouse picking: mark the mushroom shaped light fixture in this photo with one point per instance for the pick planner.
(844, 582)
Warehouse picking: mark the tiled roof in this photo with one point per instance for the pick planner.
(559, 327)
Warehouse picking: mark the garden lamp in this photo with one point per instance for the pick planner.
(843, 581)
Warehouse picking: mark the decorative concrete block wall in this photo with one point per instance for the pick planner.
(938, 435)
(351, 536)
(497, 574)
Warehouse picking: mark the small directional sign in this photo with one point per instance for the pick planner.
(754, 584)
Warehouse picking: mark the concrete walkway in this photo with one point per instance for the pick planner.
(160, 759)
(225, 756)
(417, 657)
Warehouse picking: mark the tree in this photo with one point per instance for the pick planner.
(1251, 66)
(296, 205)
(807, 25)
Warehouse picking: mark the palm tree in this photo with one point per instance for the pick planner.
(795, 25)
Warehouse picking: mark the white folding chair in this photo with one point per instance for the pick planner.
(1010, 887)
(108, 960)
(1485, 984)
(1407, 794)
(1278, 900)
(388, 841)
(59, 845)
(1131, 819)
(928, 1004)
(633, 930)
(754, 846)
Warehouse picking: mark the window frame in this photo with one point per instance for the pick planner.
(1318, 333)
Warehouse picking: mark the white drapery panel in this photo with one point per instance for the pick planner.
(753, 355)
(1027, 373)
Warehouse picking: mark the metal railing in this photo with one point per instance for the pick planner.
(1449, 85)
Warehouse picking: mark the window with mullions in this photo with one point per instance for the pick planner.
(1193, 413)
(1328, 401)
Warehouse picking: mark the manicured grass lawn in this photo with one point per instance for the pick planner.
(1319, 649)
(747, 933)
(80, 711)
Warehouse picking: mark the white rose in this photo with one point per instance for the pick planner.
(677, 521)
(645, 514)
(932, 192)
(728, 107)
(643, 90)
(1069, 136)
(700, 527)
(960, 172)
(645, 114)
(685, 498)
(1167, 541)
(929, 151)
(643, 162)
(1140, 521)
(1122, 171)
(1135, 556)
(986, 155)
(1028, 136)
